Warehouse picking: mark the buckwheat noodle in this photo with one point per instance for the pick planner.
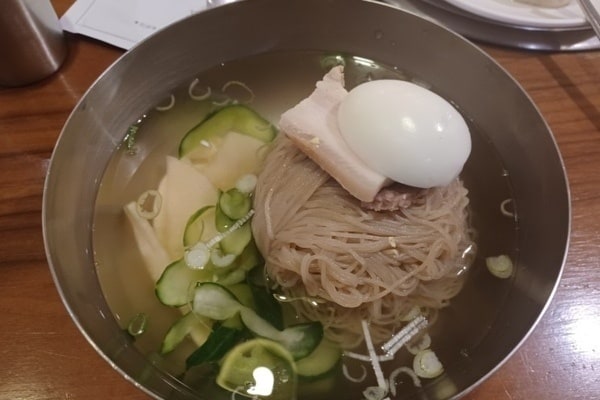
(319, 243)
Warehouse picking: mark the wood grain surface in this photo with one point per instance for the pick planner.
(44, 356)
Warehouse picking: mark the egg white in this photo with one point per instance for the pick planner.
(405, 132)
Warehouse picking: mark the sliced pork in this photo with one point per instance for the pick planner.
(312, 126)
(395, 197)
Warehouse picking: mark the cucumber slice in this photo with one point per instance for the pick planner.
(234, 204)
(218, 343)
(183, 327)
(215, 301)
(299, 339)
(199, 226)
(176, 284)
(236, 241)
(250, 257)
(266, 305)
(222, 221)
(321, 361)
(259, 368)
(236, 118)
(231, 277)
(242, 292)
(236, 272)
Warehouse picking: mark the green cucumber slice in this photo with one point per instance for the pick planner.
(184, 326)
(234, 204)
(299, 339)
(241, 367)
(231, 277)
(219, 342)
(321, 361)
(236, 241)
(216, 302)
(266, 306)
(197, 225)
(176, 284)
(243, 294)
(302, 339)
(222, 221)
(249, 258)
(236, 118)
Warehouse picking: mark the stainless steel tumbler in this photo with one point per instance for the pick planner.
(32, 44)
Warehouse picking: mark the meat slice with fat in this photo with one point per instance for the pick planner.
(396, 197)
(313, 127)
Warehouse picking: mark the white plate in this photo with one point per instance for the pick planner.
(513, 12)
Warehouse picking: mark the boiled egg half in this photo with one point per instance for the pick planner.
(405, 132)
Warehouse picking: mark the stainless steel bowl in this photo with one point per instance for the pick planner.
(142, 77)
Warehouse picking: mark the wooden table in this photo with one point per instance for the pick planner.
(43, 355)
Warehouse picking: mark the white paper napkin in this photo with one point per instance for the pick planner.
(124, 23)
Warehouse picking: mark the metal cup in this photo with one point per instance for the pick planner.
(32, 45)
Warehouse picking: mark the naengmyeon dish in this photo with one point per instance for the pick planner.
(169, 248)
(298, 248)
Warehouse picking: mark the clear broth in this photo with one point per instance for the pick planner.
(279, 81)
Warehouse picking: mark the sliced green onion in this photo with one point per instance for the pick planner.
(374, 393)
(407, 371)
(350, 377)
(223, 103)
(246, 183)
(149, 203)
(137, 324)
(197, 97)
(243, 86)
(505, 210)
(427, 365)
(168, 106)
(198, 256)
(422, 342)
(218, 259)
(500, 266)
